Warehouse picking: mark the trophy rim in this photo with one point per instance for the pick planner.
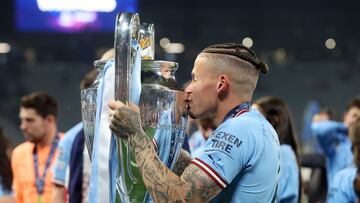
(156, 64)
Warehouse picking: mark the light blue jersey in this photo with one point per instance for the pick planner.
(164, 139)
(289, 176)
(62, 161)
(166, 135)
(341, 190)
(242, 156)
(335, 144)
(196, 142)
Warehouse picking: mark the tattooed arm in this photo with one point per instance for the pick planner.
(182, 162)
(194, 185)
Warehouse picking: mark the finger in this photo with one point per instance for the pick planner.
(115, 104)
(116, 128)
(111, 113)
(134, 107)
(115, 124)
(120, 114)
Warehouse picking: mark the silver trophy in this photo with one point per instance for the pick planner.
(161, 108)
(88, 113)
(88, 106)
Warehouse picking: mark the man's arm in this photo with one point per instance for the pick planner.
(59, 171)
(16, 186)
(58, 194)
(7, 199)
(163, 185)
(182, 162)
(328, 134)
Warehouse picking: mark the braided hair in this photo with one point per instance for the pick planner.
(239, 51)
(354, 134)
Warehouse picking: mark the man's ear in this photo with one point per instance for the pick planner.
(50, 118)
(223, 84)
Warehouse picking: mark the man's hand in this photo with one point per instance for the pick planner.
(322, 116)
(124, 119)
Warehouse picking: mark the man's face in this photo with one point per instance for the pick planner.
(32, 125)
(201, 93)
(351, 116)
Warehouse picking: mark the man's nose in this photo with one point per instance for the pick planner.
(186, 96)
(22, 125)
(187, 89)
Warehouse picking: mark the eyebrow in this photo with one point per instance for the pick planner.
(194, 75)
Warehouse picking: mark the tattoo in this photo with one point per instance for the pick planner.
(125, 122)
(163, 185)
(182, 162)
(203, 186)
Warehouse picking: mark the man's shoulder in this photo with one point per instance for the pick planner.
(68, 138)
(247, 121)
(24, 148)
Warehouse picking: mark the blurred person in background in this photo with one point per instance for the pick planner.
(277, 112)
(315, 185)
(332, 137)
(68, 178)
(6, 194)
(32, 160)
(325, 114)
(345, 187)
(73, 166)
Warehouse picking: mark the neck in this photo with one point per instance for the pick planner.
(49, 137)
(225, 107)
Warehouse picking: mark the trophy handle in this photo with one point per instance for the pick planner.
(127, 29)
(126, 39)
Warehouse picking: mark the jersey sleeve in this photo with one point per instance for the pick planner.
(226, 153)
(61, 163)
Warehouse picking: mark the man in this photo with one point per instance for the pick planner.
(241, 159)
(64, 176)
(333, 140)
(72, 167)
(32, 161)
